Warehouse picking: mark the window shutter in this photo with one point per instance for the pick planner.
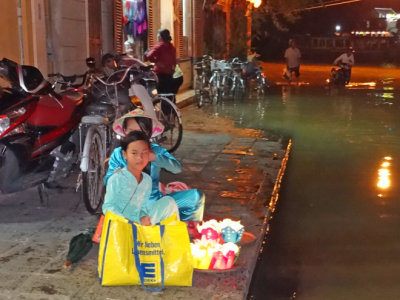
(118, 13)
(150, 20)
(197, 28)
(178, 28)
(153, 19)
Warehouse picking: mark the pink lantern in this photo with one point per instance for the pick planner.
(220, 261)
(210, 234)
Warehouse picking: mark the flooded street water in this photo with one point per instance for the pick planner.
(334, 234)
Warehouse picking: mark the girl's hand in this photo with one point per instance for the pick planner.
(145, 221)
(152, 156)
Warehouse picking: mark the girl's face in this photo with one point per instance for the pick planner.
(132, 125)
(110, 63)
(137, 155)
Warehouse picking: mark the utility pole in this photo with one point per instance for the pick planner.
(227, 9)
(250, 5)
(248, 27)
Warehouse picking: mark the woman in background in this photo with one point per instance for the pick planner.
(163, 55)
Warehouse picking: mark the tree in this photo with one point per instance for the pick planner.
(280, 13)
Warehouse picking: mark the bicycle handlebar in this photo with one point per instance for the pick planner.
(68, 80)
(116, 82)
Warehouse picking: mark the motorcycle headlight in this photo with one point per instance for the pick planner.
(4, 123)
(7, 120)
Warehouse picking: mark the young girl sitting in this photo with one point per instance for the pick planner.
(128, 189)
(190, 202)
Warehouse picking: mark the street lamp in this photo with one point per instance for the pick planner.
(256, 3)
(337, 30)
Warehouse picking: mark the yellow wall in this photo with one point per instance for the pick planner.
(33, 35)
(9, 35)
(27, 37)
(38, 33)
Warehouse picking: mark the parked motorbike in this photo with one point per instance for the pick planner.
(255, 78)
(38, 137)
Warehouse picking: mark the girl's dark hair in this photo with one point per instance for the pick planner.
(145, 124)
(133, 137)
(165, 35)
(106, 57)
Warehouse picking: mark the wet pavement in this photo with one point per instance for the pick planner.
(235, 167)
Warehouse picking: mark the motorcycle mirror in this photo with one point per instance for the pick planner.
(3, 69)
(31, 79)
(91, 62)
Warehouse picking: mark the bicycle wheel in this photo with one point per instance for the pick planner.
(92, 178)
(238, 90)
(198, 90)
(168, 114)
(215, 91)
(226, 87)
(260, 86)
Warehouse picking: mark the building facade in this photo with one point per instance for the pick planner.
(58, 35)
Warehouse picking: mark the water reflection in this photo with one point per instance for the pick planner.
(361, 85)
(329, 226)
(286, 91)
(384, 174)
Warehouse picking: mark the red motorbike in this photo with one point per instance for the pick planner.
(39, 142)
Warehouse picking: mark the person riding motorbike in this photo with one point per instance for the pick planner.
(346, 62)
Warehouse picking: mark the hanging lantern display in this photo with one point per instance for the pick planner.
(216, 250)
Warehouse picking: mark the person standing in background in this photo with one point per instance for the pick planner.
(292, 57)
(163, 55)
(177, 78)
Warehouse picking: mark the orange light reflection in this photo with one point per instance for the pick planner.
(384, 174)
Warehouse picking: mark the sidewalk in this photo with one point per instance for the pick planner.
(237, 169)
(185, 98)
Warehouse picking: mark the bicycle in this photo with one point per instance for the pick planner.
(218, 80)
(98, 140)
(238, 87)
(200, 86)
(143, 85)
(202, 81)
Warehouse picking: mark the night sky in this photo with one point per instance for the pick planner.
(350, 16)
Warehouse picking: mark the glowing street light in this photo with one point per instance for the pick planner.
(338, 27)
(256, 3)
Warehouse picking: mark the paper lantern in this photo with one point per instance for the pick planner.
(231, 231)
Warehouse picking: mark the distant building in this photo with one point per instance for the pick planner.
(384, 19)
(375, 41)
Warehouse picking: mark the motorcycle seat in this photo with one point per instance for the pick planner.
(50, 113)
(146, 68)
(74, 95)
(149, 80)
